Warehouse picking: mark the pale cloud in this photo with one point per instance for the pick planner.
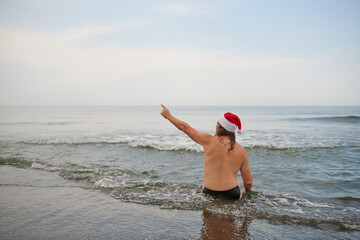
(29, 47)
(186, 9)
(64, 59)
(86, 32)
(206, 8)
(53, 1)
(35, 49)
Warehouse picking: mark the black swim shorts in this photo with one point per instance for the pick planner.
(231, 194)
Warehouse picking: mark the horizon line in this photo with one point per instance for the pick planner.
(176, 105)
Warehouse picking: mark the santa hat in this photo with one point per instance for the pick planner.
(230, 122)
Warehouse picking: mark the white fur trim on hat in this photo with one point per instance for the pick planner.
(226, 124)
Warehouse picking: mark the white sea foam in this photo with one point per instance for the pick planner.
(164, 142)
(107, 183)
(304, 202)
(40, 166)
(283, 201)
(298, 210)
(174, 142)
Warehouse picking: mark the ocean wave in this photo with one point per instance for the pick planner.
(40, 123)
(295, 147)
(349, 117)
(39, 166)
(74, 169)
(183, 143)
(156, 142)
(16, 162)
(339, 119)
(348, 199)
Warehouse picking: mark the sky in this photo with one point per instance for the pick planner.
(190, 52)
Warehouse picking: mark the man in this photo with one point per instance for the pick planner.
(223, 157)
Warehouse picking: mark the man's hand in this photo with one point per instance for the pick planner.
(165, 112)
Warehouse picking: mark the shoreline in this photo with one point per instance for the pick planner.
(36, 204)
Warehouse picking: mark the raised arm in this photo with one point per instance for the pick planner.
(199, 137)
(245, 174)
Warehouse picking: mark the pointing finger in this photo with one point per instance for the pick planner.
(163, 106)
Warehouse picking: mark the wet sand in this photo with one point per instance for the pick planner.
(41, 205)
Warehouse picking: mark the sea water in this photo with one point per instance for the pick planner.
(305, 161)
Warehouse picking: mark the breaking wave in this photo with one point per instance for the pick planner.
(183, 143)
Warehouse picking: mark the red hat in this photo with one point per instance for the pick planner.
(230, 122)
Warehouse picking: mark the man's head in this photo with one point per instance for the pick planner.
(227, 125)
(220, 131)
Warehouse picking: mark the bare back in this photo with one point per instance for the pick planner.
(220, 166)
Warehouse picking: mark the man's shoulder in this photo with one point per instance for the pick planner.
(207, 139)
(238, 145)
(241, 149)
